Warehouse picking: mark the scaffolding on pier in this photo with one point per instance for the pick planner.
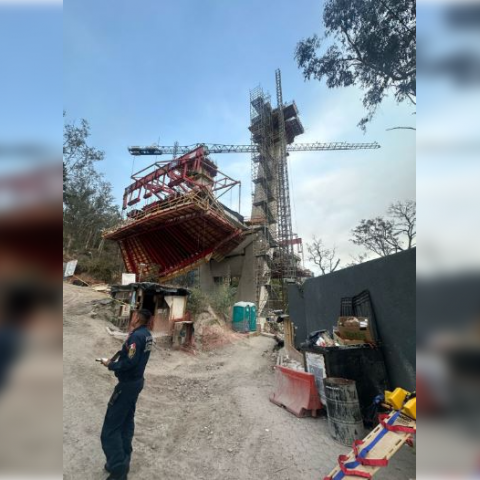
(272, 130)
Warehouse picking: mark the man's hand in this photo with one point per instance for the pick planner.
(105, 361)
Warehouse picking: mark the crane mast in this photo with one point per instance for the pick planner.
(285, 231)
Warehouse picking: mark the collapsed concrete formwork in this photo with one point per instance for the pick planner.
(181, 224)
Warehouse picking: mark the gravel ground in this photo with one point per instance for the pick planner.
(200, 417)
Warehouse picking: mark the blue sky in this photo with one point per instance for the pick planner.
(31, 76)
(156, 71)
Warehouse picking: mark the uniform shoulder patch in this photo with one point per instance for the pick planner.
(132, 349)
(148, 344)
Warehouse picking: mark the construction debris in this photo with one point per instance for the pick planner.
(102, 287)
(211, 331)
(291, 363)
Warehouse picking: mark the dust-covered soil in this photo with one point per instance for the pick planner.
(200, 417)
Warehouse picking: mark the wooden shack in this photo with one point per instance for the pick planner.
(167, 304)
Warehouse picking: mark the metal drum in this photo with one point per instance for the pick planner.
(343, 408)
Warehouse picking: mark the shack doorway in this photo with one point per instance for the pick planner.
(149, 302)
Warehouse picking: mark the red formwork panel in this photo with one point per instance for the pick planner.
(185, 225)
(296, 392)
(176, 237)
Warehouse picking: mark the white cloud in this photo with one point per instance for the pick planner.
(333, 191)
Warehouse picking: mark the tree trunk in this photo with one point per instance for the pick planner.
(87, 243)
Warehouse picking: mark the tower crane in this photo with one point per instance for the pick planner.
(260, 150)
(273, 131)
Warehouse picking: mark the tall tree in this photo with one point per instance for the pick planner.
(370, 43)
(88, 201)
(324, 257)
(385, 236)
(76, 151)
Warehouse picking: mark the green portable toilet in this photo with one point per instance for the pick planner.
(241, 317)
(253, 318)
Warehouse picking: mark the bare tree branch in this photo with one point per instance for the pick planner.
(322, 256)
(406, 215)
(357, 260)
(387, 236)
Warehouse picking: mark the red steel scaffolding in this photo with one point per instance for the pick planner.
(173, 218)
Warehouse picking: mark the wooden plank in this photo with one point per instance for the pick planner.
(387, 447)
(287, 328)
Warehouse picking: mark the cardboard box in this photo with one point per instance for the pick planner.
(350, 328)
(345, 341)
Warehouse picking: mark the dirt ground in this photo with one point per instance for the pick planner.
(200, 417)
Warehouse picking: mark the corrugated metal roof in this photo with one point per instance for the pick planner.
(151, 287)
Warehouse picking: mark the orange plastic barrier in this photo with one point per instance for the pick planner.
(296, 391)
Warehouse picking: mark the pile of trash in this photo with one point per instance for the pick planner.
(288, 362)
(319, 338)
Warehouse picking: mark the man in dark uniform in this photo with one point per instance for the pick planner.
(129, 366)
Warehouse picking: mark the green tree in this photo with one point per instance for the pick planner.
(369, 43)
(78, 160)
(88, 205)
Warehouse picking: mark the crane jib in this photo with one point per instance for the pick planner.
(220, 148)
